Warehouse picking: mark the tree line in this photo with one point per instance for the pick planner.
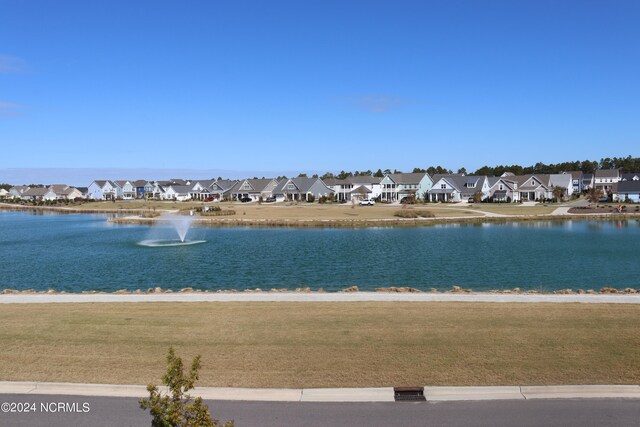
(625, 164)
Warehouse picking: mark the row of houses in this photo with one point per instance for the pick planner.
(46, 193)
(397, 187)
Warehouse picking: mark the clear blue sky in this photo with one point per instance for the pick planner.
(316, 85)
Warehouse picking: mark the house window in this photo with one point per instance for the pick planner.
(501, 187)
(291, 187)
(533, 182)
(443, 185)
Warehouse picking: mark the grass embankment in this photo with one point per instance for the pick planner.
(325, 344)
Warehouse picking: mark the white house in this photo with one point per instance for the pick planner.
(125, 189)
(177, 192)
(65, 192)
(605, 178)
(17, 191)
(39, 193)
(355, 187)
(103, 190)
(402, 186)
(458, 188)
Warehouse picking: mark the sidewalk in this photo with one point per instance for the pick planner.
(381, 394)
(319, 297)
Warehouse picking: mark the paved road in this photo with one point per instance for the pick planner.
(114, 411)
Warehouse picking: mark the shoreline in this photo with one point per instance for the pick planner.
(351, 293)
(126, 217)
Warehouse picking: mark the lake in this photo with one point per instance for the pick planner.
(85, 252)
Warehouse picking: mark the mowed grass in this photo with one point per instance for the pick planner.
(324, 344)
(329, 211)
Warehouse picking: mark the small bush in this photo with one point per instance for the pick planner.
(177, 408)
(413, 213)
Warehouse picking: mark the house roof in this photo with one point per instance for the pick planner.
(303, 184)
(630, 176)
(122, 182)
(607, 173)
(225, 184)
(101, 183)
(20, 188)
(60, 188)
(334, 181)
(39, 191)
(181, 189)
(560, 179)
(627, 187)
(140, 183)
(260, 184)
(363, 179)
(574, 174)
(407, 178)
(524, 181)
(361, 190)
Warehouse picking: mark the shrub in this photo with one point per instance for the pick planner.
(311, 198)
(414, 213)
(177, 408)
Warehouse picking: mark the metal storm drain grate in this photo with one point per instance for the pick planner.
(409, 394)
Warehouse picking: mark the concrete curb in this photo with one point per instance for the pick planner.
(320, 297)
(381, 394)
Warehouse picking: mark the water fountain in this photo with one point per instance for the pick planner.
(181, 224)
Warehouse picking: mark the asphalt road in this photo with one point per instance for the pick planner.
(115, 411)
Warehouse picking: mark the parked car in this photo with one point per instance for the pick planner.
(270, 199)
(246, 199)
(367, 202)
(470, 200)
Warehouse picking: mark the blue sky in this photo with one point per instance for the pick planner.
(316, 85)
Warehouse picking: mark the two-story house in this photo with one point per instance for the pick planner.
(399, 187)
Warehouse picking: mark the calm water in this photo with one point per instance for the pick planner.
(83, 252)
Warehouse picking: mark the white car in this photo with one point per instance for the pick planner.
(367, 202)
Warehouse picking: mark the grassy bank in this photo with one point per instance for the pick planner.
(325, 345)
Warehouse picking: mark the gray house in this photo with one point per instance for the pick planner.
(627, 191)
(253, 189)
(301, 188)
(457, 187)
(576, 180)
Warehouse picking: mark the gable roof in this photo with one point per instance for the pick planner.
(524, 181)
(224, 184)
(36, 192)
(630, 176)
(140, 183)
(180, 189)
(627, 187)
(574, 174)
(607, 173)
(361, 190)
(407, 178)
